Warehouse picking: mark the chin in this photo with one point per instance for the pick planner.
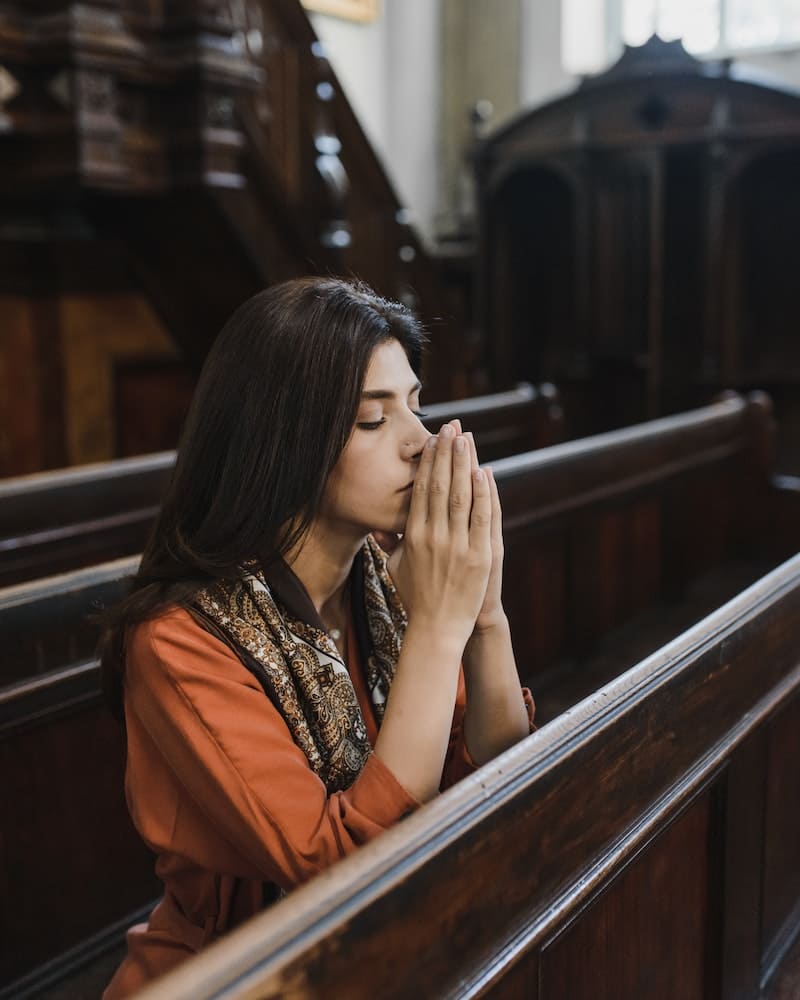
(393, 526)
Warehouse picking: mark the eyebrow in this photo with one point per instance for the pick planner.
(386, 394)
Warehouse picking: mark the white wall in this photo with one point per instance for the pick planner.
(389, 71)
(542, 76)
(357, 52)
(413, 94)
(785, 66)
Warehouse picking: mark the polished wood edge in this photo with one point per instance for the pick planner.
(64, 583)
(597, 486)
(47, 537)
(500, 402)
(780, 947)
(34, 702)
(95, 473)
(720, 421)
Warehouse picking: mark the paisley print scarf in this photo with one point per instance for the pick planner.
(271, 624)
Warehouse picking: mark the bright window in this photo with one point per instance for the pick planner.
(593, 30)
(708, 26)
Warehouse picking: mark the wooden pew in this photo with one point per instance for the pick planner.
(645, 844)
(44, 624)
(52, 522)
(76, 874)
(616, 543)
(586, 595)
(655, 522)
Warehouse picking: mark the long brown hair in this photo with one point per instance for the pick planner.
(273, 409)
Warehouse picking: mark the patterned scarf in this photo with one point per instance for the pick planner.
(274, 628)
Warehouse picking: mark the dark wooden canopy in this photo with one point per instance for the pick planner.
(639, 240)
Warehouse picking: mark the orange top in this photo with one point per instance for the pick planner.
(225, 798)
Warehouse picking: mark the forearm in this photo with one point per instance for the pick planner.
(496, 716)
(415, 731)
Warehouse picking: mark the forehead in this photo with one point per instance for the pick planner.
(389, 368)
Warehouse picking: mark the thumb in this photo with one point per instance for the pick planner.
(393, 563)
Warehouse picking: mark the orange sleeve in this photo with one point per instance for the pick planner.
(458, 762)
(234, 756)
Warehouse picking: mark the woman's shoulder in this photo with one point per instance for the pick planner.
(168, 622)
(172, 637)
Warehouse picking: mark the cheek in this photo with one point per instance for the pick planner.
(356, 481)
(346, 480)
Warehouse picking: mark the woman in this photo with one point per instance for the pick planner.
(288, 692)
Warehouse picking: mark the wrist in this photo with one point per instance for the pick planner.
(494, 625)
(493, 635)
(443, 637)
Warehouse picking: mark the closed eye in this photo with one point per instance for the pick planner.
(373, 425)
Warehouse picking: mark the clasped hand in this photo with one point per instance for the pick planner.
(449, 564)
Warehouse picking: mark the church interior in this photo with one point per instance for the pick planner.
(594, 208)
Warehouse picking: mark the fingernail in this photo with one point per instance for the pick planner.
(430, 444)
(460, 444)
(478, 475)
(446, 431)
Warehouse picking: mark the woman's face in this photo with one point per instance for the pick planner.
(369, 487)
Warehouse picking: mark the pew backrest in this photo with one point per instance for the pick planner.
(641, 845)
(599, 529)
(52, 522)
(595, 531)
(544, 494)
(46, 624)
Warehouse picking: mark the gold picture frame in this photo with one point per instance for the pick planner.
(351, 10)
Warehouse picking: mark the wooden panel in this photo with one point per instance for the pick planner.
(743, 869)
(56, 374)
(616, 555)
(647, 935)
(535, 598)
(782, 832)
(45, 625)
(70, 860)
(97, 332)
(518, 982)
(151, 399)
(21, 444)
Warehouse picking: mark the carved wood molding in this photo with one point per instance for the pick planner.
(124, 95)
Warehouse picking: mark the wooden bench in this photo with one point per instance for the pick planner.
(44, 624)
(52, 522)
(607, 543)
(645, 844)
(616, 543)
(667, 518)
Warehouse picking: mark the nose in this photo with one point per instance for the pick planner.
(415, 442)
